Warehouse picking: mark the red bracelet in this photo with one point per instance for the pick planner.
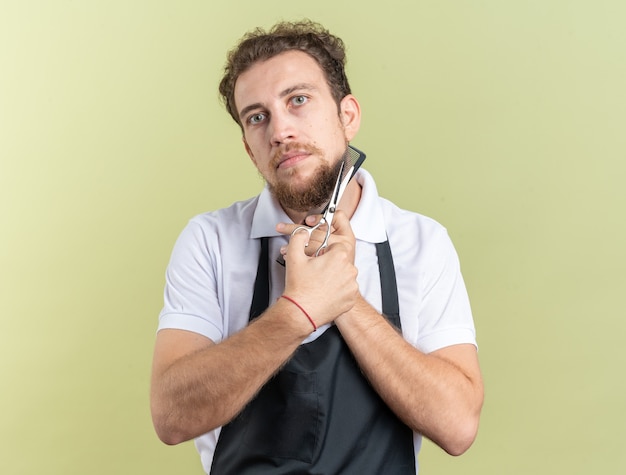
(303, 310)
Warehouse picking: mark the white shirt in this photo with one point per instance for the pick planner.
(211, 274)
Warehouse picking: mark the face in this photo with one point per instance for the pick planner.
(292, 128)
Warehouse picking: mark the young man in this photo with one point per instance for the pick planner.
(332, 364)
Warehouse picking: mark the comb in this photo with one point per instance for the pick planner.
(353, 159)
(349, 164)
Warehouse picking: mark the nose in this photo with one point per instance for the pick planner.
(281, 129)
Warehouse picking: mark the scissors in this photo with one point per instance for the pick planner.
(331, 208)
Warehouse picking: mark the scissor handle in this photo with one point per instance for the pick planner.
(310, 229)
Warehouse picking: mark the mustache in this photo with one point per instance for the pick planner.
(283, 149)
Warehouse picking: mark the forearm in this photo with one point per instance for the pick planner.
(431, 394)
(208, 387)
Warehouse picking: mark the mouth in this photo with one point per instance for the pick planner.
(290, 159)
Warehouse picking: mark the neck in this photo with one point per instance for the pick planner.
(348, 204)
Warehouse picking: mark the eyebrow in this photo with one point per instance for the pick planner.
(298, 87)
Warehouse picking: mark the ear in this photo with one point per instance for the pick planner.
(248, 150)
(350, 115)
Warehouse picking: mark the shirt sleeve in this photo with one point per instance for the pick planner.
(191, 297)
(445, 316)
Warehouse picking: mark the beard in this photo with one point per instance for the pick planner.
(313, 195)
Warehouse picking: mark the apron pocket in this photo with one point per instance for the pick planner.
(286, 418)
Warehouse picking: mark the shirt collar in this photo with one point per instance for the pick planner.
(267, 215)
(368, 222)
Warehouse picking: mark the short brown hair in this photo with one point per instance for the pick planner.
(306, 36)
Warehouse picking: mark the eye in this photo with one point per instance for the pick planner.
(299, 100)
(256, 118)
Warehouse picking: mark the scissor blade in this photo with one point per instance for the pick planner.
(344, 183)
(339, 189)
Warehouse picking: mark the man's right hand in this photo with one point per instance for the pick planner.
(325, 286)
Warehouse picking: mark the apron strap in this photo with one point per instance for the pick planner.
(261, 295)
(388, 284)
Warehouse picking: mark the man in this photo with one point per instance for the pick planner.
(332, 364)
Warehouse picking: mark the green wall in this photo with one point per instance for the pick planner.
(503, 120)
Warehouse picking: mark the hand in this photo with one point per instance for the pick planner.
(325, 285)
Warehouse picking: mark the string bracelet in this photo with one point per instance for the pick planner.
(303, 310)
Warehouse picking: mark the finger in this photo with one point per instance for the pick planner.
(313, 219)
(341, 225)
(288, 228)
(295, 250)
(318, 236)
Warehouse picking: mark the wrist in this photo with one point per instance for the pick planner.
(355, 311)
(301, 308)
(292, 317)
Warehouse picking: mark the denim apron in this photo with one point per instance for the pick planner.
(318, 414)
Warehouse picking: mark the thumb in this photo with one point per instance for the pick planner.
(341, 225)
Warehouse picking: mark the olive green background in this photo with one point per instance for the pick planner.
(503, 120)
